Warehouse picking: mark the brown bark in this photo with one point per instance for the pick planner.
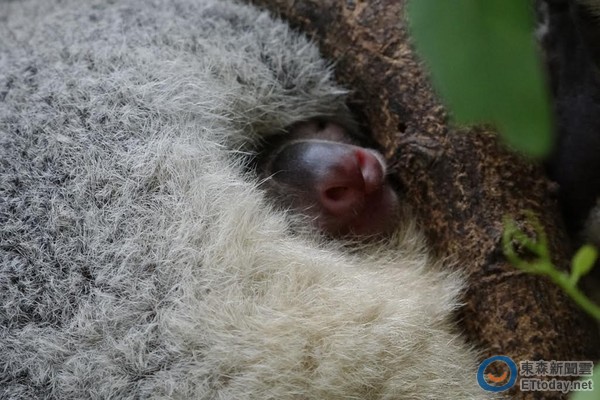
(460, 181)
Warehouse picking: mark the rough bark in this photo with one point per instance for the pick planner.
(460, 181)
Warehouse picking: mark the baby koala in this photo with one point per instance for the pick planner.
(319, 169)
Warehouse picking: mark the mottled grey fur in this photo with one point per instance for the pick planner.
(138, 258)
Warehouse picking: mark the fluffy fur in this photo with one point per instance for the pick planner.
(139, 259)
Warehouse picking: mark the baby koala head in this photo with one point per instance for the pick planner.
(319, 169)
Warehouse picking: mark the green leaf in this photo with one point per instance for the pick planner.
(583, 262)
(483, 61)
(542, 262)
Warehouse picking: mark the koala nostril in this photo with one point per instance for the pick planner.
(336, 193)
(343, 201)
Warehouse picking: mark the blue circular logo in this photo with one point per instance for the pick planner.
(495, 383)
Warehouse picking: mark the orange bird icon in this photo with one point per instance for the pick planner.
(496, 379)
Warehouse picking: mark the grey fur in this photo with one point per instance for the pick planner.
(139, 259)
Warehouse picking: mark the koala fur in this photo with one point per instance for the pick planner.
(138, 257)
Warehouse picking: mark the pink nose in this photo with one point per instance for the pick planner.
(349, 180)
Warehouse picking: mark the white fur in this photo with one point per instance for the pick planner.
(542, 27)
(591, 231)
(138, 259)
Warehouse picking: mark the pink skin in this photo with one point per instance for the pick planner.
(318, 170)
(353, 195)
